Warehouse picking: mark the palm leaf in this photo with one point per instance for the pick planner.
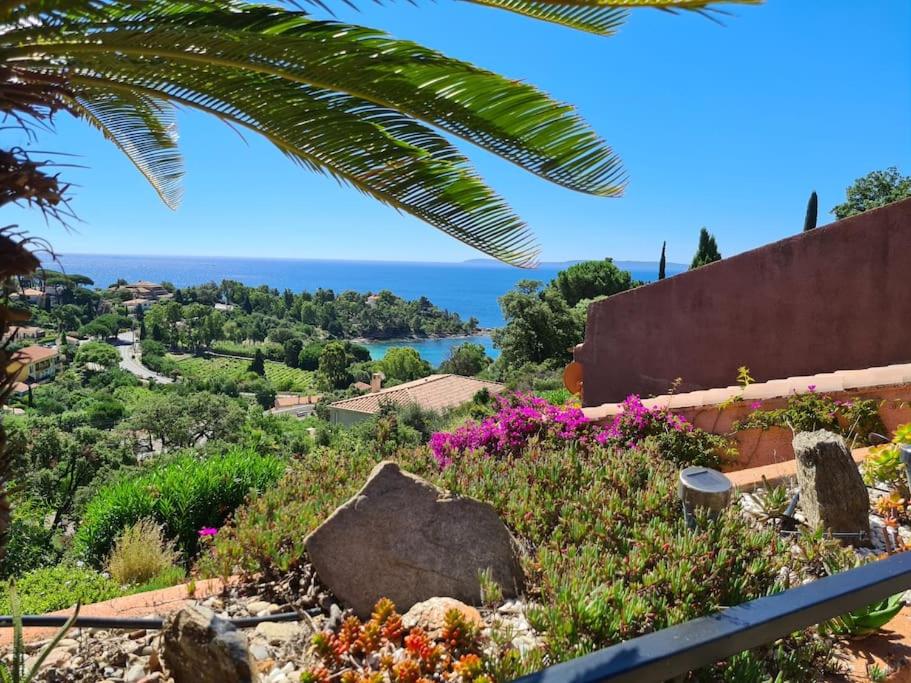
(379, 151)
(506, 117)
(143, 128)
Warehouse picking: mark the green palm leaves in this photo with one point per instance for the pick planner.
(344, 100)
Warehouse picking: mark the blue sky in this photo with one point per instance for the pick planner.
(729, 126)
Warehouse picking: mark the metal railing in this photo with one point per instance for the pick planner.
(679, 649)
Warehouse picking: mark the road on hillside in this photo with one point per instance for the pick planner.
(129, 363)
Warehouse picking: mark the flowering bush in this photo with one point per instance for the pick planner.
(520, 418)
(523, 417)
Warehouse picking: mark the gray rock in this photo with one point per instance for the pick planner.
(832, 493)
(401, 537)
(199, 646)
(276, 633)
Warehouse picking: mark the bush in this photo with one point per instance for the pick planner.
(52, 588)
(29, 544)
(141, 553)
(182, 495)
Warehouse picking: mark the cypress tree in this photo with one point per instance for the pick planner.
(809, 222)
(662, 264)
(707, 252)
(258, 364)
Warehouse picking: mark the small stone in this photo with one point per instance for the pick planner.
(69, 644)
(430, 615)
(135, 674)
(199, 647)
(259, 651)
(257, 606)
(278, 633)
(265, 665)
(335, 617)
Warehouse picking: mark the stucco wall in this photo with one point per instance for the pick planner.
(834, 298)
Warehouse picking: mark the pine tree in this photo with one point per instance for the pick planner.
(662, 264)
(809, 222)
(707, 251)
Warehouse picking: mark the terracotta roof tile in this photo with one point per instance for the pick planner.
(436, 392)
(33, 354)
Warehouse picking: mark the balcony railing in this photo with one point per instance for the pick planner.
(676, 650)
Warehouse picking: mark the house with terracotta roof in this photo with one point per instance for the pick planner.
(34, 364)
(436, 393)
(23, 332)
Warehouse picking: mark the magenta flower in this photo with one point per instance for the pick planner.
(756, 405)
(811, 388)
(207, 531)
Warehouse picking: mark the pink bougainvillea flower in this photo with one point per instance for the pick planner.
(207, 531)
(756, 405)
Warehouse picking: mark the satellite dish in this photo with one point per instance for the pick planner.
(572, 378)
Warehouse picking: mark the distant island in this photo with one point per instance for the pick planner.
(622, 265)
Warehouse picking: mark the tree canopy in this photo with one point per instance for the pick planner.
(591, 279)
(873, 190)
(707, 251)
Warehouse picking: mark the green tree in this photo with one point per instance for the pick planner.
(309, 356)
(707, 251)
(404, 364)
(875, 189)
(466, 359)
(99, 353)
(258, 364)
(293, 348)
(333, 366)
(809, 221)
(539, 327)
(662, 263)
(591, 279)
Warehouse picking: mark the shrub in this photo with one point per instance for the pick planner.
(29, 544)
(141, 552)
(609, 556)
(52, 588)
(183, 495)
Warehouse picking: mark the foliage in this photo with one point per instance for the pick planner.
(855, 419)
(180, 420)
(707, 251)
(662, 262)
(404, 364)
(141, 552)
(884, 464)
(591, 279)
(258, 364)
(866, 620)
(183, 495)
(809, 221)
(29, 542)
(52, 588)
(466, 359)
(609, 555)
(333, 367)
(873, 190)
(98, 353)
(539, 327)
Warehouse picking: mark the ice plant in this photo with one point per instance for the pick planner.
(207, 531)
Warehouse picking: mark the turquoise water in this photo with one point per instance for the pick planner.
(434, 351)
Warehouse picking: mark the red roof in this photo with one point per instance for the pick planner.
(34, 354)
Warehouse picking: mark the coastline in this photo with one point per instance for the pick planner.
(481, 332)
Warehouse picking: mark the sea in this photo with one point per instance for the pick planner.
(469, 288)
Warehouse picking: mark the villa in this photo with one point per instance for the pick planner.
(34, 364)
(436, 393)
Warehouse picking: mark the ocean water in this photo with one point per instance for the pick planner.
(434, 351)
(469, 289)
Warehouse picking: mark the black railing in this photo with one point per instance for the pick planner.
(674, 651)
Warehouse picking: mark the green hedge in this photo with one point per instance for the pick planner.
(183, 495)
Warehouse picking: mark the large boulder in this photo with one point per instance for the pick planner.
(199, 647)
(832, 493)
(402, 538)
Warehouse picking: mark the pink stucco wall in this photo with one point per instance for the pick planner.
(835, 298)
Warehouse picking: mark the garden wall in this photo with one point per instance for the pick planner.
(838, 297)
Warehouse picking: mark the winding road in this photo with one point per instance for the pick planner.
(129, 362)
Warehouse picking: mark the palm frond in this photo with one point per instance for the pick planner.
(379, 151)
(599, 18)
(507, 117)
(143, 128)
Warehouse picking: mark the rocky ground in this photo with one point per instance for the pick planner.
(279, 651)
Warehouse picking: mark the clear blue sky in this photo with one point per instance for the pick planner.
(729, 126)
